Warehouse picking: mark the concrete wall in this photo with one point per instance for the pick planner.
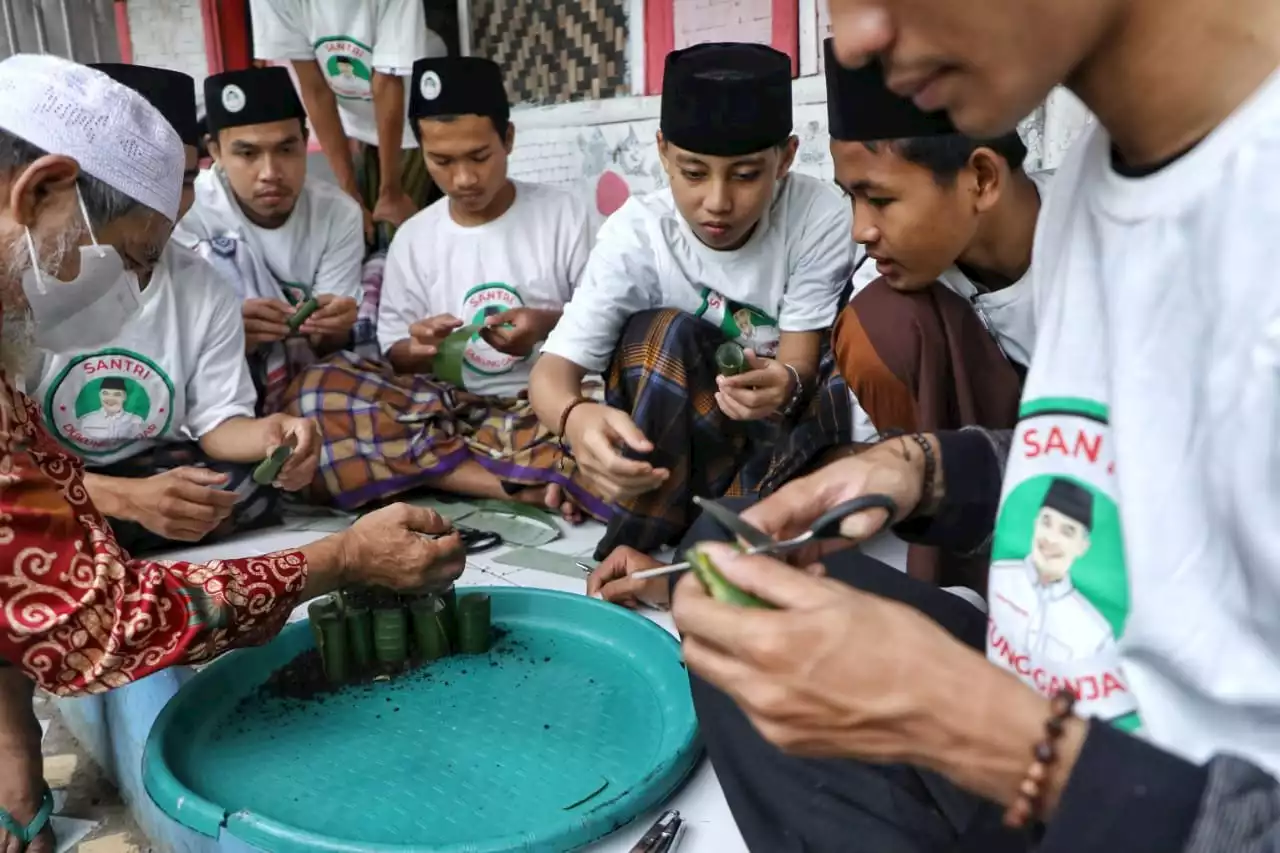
(698, 21)
(606, 148)
(170, 34)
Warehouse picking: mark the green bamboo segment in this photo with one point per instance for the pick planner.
(330, 630)
(428, 628)
(449, 616)
(730, 359)
(360, 638)
(390, 636)
(473, 624)
(300, 315)
(717, 585)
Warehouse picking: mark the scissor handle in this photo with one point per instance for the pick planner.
(828, 524)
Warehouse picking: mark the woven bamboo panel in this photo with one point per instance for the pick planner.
(554, 52)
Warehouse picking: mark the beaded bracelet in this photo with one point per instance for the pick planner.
(930, 472)
(564, 424)
(1030, 798)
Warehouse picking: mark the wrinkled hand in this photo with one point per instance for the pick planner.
(394, 207)
(300, 468)
(425, 336)
(612, 581)
(518, 331)
(883, 469)
(333, 320)
(265, 321)
(183, 504)
(758, 393)
(595, 432)
(387, 548)
(834, 672)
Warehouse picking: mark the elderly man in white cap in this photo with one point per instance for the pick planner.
(90, 179)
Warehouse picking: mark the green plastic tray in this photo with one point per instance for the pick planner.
(577, 721)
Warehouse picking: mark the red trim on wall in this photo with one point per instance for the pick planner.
(233, 29)
(212, 35)
(659, 40)
(124, 38)
(786, 31)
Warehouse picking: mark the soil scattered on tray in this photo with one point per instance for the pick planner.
(303, 679)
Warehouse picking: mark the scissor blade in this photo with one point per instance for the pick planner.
(773, 548)
(660, 571)
(732, 522)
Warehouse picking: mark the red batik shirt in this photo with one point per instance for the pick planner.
(76, 613)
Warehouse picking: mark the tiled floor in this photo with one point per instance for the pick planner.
(700, 801)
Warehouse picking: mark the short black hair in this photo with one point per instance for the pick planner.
(946, 155)
(500, 125)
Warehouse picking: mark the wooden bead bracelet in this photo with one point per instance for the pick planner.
(1029, 801)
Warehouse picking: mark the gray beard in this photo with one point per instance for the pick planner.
(17, 326)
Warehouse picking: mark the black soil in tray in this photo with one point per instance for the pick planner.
(303, 680)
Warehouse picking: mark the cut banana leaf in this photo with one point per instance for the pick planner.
(330, 630)
(360, 638)
(448, 510)
(522, 510)
(473, 624)
(447, 365)
(390, 636)
(449, 617)
(515, 528)
(730, 359)
(429, 634)
(717, 585)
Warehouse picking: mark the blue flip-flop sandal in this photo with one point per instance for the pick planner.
(27, 834)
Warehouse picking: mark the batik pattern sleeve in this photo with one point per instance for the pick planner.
(221, 386)
(402, 36)
(277, 31)
(619, 281)
(339, 272)
(405, 292)
(77, 615)
(820, 265)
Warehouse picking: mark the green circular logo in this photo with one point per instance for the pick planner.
(102, 402)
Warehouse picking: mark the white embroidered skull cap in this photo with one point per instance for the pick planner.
(114, 134)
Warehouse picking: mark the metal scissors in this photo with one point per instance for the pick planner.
(758, 542)
(475, 541)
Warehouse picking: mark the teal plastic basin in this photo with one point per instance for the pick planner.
(575, 722)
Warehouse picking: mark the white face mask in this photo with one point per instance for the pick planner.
(88, 311)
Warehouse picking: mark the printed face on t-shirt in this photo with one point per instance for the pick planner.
(1058, 541)
(266, 165)
(988, 63)
(467, 159)
(913, 225)
(722, 198)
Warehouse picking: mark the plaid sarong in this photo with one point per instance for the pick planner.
(664, 374)
(256, 506)
(827, 423)
(384, 434)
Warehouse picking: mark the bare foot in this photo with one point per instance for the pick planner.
(558, 499)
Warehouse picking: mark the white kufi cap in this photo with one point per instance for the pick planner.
(109, 129)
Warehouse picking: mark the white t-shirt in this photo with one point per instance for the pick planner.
(180, 358)
(1155, 385)
(1007, 313)
(349, 39)
(532, 256)
(787, 278)
(318, 250)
